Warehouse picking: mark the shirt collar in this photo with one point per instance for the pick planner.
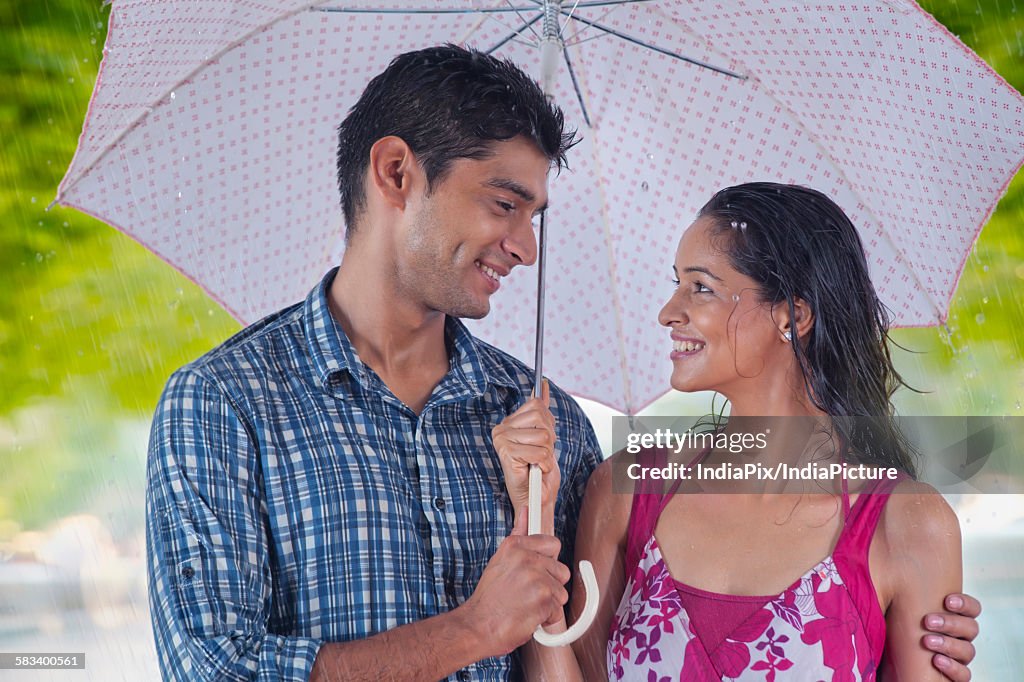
(472, 368)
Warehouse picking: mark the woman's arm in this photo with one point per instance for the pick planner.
(916, 561)
(601, 539)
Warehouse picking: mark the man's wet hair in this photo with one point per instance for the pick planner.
(447, 103)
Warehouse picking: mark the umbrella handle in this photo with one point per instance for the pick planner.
(586, 571)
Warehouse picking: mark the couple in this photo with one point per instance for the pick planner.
(324, 500)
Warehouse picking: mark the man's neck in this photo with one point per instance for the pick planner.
(403, 345)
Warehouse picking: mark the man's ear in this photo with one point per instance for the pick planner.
(394, 172)
(801, 322)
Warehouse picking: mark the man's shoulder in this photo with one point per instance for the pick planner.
(254, 350)
(498, 363)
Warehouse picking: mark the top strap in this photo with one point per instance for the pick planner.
(649, 500)
(863, 517)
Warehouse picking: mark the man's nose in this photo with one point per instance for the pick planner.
(521, 243)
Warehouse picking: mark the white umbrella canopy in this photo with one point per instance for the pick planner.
(210, 139)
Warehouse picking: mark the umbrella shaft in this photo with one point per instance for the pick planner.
(538, 358)
(550, 29)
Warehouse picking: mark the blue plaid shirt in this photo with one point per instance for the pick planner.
(292, 499)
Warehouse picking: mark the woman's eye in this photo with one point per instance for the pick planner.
(676, 281)
(700, 288)
(506, 206)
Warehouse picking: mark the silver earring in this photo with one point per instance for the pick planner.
(788, 335)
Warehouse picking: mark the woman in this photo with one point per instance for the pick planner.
(827, 580)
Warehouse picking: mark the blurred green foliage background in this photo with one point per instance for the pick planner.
(91, 324)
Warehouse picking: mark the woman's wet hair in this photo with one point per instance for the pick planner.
(447, 103)
(796, 243)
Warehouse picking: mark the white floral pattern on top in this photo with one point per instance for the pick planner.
(809, 633)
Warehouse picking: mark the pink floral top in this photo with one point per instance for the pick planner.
(826, 626)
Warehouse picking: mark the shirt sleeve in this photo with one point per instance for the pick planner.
(210, 584)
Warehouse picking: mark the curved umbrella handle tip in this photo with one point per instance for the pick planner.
(586, 617)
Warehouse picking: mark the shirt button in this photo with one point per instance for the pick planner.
(188, 572)
(438, 503)
(464, 676)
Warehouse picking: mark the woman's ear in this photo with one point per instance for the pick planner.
(796, 323)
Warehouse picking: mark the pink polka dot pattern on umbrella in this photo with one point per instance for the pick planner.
(211, 136)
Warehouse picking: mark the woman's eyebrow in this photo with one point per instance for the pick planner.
(697, 268)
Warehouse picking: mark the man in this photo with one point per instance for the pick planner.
(324, 500)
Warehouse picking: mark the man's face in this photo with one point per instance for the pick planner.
(472, 229)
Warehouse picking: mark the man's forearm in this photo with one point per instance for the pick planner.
(429, 649)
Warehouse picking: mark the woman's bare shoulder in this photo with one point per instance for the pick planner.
(918, 519)
(609, 495)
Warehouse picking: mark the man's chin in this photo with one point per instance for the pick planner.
(470, 311)
(475, 314)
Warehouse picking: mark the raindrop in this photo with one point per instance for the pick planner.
(71, 80)
(99, 24)
(980, 318)
(209, 312)
(172, 94)
(984, 299)
(39, 258)
(650, 157)
(179, 195)
(179, 291)
(985, 268)
(643, 185)
(92, 41)
(1017, 405)
(33, 200)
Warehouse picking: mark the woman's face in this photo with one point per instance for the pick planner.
(724, 339)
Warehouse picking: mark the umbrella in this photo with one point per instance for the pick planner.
(873, 103)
